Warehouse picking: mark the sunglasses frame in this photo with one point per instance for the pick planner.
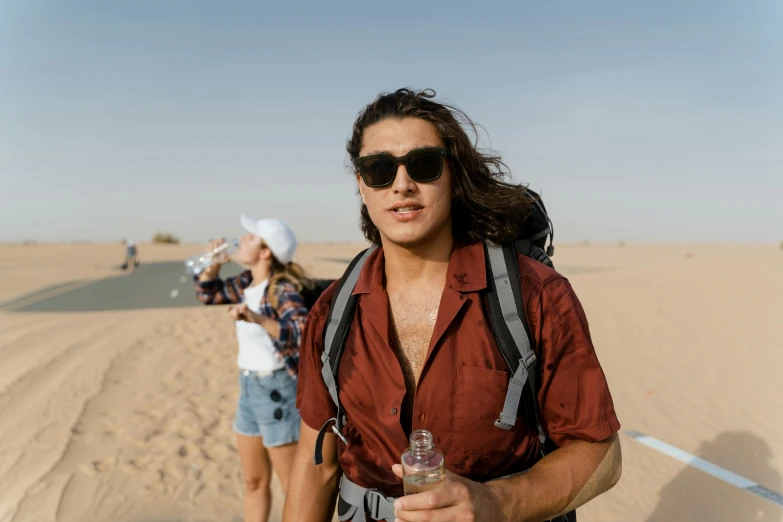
(400, 160)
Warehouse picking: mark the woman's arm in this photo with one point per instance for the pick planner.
(218, 291)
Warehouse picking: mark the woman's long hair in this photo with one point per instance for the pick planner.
(485, 207)
(290, 272)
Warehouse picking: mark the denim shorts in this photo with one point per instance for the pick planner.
(267, 408)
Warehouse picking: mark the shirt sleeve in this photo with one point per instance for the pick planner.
(312, 399)
(291, 315)
(219, 291)
(574, 395)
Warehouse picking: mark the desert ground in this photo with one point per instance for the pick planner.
(117, 390)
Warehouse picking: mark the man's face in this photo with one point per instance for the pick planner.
(428, 204)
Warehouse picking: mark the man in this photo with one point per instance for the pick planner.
(131, 256)
(420, 352)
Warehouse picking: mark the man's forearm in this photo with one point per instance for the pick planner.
(312, 490)
(562, 481)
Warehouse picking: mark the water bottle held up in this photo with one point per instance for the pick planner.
(423, 465)
(194, 265)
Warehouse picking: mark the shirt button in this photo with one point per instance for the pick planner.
(394, 411)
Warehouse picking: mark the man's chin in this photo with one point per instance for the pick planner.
(410, 239)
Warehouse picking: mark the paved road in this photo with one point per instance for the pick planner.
(154, 285)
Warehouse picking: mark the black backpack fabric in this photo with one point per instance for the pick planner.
(310, 294)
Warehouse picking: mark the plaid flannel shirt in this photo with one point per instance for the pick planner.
(291, 311)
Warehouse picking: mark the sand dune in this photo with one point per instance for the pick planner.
(126, 415)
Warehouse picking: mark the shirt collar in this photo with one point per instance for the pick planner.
(466, 273)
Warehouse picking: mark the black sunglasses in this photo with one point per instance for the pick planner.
(423, 165)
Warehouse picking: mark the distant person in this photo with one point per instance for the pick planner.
(270, 312)
(131, 256)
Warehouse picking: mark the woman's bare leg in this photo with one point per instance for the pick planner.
(257, 474)
(282, 458)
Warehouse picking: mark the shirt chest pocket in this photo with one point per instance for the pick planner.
(478, 400)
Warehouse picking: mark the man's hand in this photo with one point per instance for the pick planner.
(459, 500)
(241, 312)
(562, 481)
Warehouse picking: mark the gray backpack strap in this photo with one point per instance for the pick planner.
(338, 323)
(336, 317)
(355, 500)
(506, 316)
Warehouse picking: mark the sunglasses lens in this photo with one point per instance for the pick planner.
(422, 165)
(378, 171)
(425, 165)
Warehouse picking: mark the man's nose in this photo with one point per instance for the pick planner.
(403, 183)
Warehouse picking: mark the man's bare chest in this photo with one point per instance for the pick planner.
(413, 322)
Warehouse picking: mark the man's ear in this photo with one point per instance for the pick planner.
(361, 186)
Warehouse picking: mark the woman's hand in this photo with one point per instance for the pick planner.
(242, 312)
(213, 270)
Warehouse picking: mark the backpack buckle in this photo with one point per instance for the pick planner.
(503, 425)
(337, 432)
(539, 255)
(379, 507)
(529, 360)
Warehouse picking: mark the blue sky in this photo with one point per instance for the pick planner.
(640, 121)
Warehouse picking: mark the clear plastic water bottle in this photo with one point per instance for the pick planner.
(423, 465)
(194, 265)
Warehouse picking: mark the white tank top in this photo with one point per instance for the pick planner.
(256, 349)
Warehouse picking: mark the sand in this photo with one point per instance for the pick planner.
(126, 415)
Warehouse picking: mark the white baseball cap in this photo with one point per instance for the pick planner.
(277, 235)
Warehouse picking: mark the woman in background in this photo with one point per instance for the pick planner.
(269, 310)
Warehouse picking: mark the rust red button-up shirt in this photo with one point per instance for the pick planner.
(463, 384)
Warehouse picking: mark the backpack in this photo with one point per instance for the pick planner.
(507, 318)
(312, 292)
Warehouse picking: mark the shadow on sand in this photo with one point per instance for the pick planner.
(695, 496)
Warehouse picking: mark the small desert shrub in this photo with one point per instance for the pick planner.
(165, 237)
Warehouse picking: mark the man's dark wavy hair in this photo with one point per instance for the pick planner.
(485, 207)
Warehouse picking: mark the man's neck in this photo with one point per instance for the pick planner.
(424, 265)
